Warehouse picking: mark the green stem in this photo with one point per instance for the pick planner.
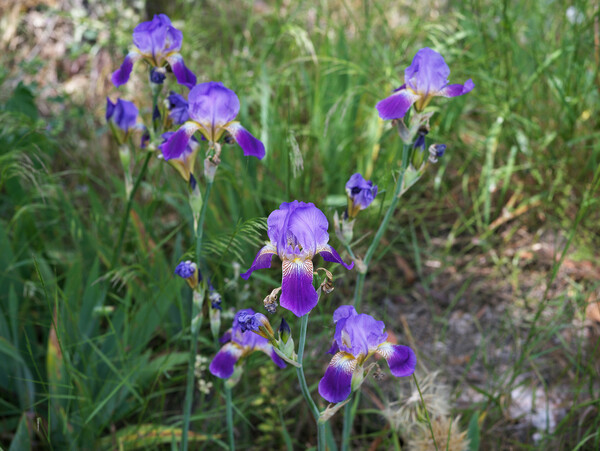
(125, 218)
(194, 328)
(229, 413)
(426, 412)
(304, 386)
(349, 412)
(360, 278)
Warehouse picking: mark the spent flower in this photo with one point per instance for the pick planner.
(297, 232)
(189, 271)
(425, 78)
(357, 337)
(158, 43)
(360, 194)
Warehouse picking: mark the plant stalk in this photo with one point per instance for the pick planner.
(229, 414)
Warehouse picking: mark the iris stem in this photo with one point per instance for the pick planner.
(349, 413)
(125, 218)
(304, 386)
(360, 278)
(229, 414)
(194, 328)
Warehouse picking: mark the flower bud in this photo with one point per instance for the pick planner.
(188, 270)
(284, 331)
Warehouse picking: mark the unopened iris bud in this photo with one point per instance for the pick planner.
(418, 157)
(158, 75)
(284, 331)
(360, 194)
(436, 151)
(189, 271)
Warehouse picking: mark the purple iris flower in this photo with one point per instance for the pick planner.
(184, 162)
(425, 78)
(212, 109)
(159, 43)
(360, 194)
(357, 337)
(297, 232)
(178, 108)
(238, 344)
(122, 113)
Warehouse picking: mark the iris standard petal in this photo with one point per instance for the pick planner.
(213, 105)
(396, 105)
(178, 108)
(336, 384)
(121, 75)
(250, 145)
(428, 72)
(297, 292)
(223, 364)
(457, 90)
(329, 254)
(262, 260)
(178, 142)
(149, 37)
(183, 75)
(362, 334)
(309, 226)
(401, 359)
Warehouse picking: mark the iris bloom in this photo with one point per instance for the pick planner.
(297, 232)
(122, 113)
(360, 194)
(358, 337)
(425, 78)
(158, 43)
(178, 108)
(212, 109)
(239, 343)
(184, 162)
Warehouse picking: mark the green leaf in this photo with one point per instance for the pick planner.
(21, 441)
(473, 432)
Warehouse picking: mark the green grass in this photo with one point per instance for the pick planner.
(92, 352)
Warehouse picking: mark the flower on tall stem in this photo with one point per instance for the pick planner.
(212, 109)
(360, 194)
(297, 232)
(240, 341)
(425, 78)
(123, 114)
(358, 337)
(158, 43)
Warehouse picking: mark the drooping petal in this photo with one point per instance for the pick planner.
(178, 142)
(457, 90)
(223, 364)
(121, 75)
(336, 384)
(262, 260)
(401, 359)
(183, 75)
(297, 292)
(329, 254)
(213, 105)
(268, 349)
(249, 144)
(396, 105)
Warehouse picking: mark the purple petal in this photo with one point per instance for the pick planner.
(121, 75)
(261, 261)
(340, 316)
(334, 348)
(401, 359)
(396, 105)
(457, 90)
(226, 337)
(360, 191)
(224, 362)
(336, 384)
(276, 359)
(178, 108)
(110, 108)
(250, 145)
(307, 224)
(157, 37)
(183, 75)
(329, 254)
(178, 142)
(297, 292)
(213, 105)
(428, 72)
(361, 334)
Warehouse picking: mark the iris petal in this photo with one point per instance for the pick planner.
(457, 90)
(396, 105)
(297, 292)
(401, 359)
(250, 145)
(329, 254)
(262, 260)
(213, 105)
(183, 75)
(178, 142)
(336, 384)
(223, 364)
(121, 75)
